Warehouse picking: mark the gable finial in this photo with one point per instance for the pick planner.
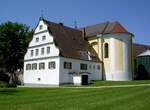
(41, 17)
(75, 24)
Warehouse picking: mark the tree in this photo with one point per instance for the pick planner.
(14, 40)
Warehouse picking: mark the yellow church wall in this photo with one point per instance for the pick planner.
(119, 55)
(94, 43)
(107, 67)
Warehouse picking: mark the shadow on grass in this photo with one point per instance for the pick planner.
(9, 91)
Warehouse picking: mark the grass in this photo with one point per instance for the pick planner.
(131, 98)
(111, 83)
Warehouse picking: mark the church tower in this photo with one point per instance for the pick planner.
(113, 44)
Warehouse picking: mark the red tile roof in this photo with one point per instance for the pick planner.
(139, 48)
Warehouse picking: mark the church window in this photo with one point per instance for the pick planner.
(106, 50)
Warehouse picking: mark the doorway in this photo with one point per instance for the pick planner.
(84, 79)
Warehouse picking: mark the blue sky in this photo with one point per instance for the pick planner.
(134, 15)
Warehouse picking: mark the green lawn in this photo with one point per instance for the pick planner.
(132, 98)
(111, 83)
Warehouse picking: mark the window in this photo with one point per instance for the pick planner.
(37, 39)
(41, 26)
(28, 66)
(36, 52)
(42, 51)
(89, 66)
(32, 53)
(83, 66)
(34, 66)
(41, 66)
(98, 67)
(93, 66)
(43, 37)
(67, 65)
(48, 50)
(51, 65)
(106, 50)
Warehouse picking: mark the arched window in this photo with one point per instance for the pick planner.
(106, 50)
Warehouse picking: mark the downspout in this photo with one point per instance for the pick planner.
(132, 59)
(100, 36)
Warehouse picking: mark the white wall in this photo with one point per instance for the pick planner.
(65, 77)
(47, 76)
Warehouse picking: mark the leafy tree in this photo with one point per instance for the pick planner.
(14, 39)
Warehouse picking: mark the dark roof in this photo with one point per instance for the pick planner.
(104, 28)
(139, 48)
(70, 42)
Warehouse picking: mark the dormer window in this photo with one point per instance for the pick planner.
(41, 27)
(37, 39)
(43, 37)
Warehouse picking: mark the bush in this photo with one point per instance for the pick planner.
(3, 84)
(6, 85)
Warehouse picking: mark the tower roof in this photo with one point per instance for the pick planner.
(104, 28)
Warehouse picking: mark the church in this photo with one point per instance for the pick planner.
(59, 55)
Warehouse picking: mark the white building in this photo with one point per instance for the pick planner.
(58, 54)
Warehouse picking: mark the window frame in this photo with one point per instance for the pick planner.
(43, 38)
(28, 66)
(48, 50)
(41, 66)
(52, 65)
(83, 66)
(67, 65)
(34, 66)
(37, 39)
(42, 51)
(31, 53)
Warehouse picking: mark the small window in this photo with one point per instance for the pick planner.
(28, 66)
(48, 50)
(93, 66)
(34, 66)
(51, 65)
(67, 65)
(36, 52)
(41, 66)
(89, 66)
(37, 39)
(41, 27)
(106, 50)
(83, 66)
(43, 37)
(98, 67)
(42, 51)
(32, 53)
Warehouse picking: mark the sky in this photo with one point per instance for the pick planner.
(134, 15)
